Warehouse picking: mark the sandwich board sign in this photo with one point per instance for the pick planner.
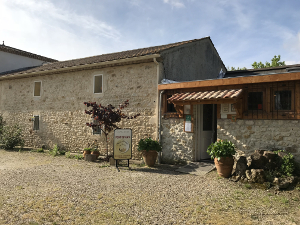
(123, 144)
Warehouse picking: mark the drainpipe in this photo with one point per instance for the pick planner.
(159, 110)
(159, 124)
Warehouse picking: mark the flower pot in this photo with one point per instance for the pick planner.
(96, 153)
(224, 166)
(149, 157)
(86, 152)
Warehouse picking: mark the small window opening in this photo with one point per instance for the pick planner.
(37, 88)
(96, 130)
(283, 100)
(36, 123)
(255, 101)
(170, 106)
(98, 84)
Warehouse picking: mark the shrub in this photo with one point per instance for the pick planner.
(12, 137)
(2, 123)
(288, 165)
(149, 144)
(56, 151)
(221, 149)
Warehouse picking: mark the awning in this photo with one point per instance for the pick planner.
(230, 95)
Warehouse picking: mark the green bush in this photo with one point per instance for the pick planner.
(56, 151)
(221, 149)
(12, 137)
(287, 167)
(149, 144)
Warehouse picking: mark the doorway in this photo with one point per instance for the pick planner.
(206, 123)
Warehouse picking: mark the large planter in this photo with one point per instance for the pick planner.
(86, 152)
(149, 157)
(96, 153)
(224, 166)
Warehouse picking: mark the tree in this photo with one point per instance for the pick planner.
(274, 63)
(106, 117)
(233, 68)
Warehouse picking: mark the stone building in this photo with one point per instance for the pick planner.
(47, 100)
(255, 109)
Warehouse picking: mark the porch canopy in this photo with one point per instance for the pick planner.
(206, 97)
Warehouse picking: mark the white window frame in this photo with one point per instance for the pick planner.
(38, 81)
(94, 83)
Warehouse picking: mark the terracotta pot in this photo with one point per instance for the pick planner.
(149, 157)
(85, 153)
(96, 153)
(224, 166)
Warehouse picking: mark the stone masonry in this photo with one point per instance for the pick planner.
(61, 108)
(178, 146)
(250, 135)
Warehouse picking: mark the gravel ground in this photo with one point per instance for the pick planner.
(36, 188)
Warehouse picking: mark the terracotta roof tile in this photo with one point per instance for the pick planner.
(206, 95)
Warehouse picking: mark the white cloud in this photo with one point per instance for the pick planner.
(175, 3)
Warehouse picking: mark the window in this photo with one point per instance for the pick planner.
(98, 84)
(170, 106)
(283, 100)
(96, 130)
(36, 123)
(255, 100)
(37, 88)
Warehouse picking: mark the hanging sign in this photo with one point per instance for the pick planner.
(122, 144)
(188, 123)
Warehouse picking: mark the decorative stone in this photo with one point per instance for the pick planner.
(240, 166)
(256, 176)
(258, 160)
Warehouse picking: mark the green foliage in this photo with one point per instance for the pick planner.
(221, 149)
(56, 151)
(87, 149)
(2, 123)
(288, 165)
(248, 186)
(233, 68)
(68, 155)
(274, 63)
(149, 144)
(40, 150)
(12, 137)
(78, 156)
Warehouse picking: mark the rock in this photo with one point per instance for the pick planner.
(248, 174)
(260, 152)
(282, 154)
(270, 156)
(283, 183)
(258, 160)
(256, 176)
(240, 166)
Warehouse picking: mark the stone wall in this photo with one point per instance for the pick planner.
(61, 108)
(249, 135)
(178, 146)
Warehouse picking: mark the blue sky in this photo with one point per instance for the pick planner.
(242, 31)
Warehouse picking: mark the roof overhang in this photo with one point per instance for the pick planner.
(81, 67)
(206, 97)
(231, 81)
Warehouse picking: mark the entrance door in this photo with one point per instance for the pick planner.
(206, 128)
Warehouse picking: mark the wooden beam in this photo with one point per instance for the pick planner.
(232, 81)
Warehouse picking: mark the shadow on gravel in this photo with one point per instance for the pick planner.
(159, 169)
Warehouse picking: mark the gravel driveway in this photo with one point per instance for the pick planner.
(36, 188)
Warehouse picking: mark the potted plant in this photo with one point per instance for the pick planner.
(94, 149)
(86, 151)
(222, 152)
(149, 149)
